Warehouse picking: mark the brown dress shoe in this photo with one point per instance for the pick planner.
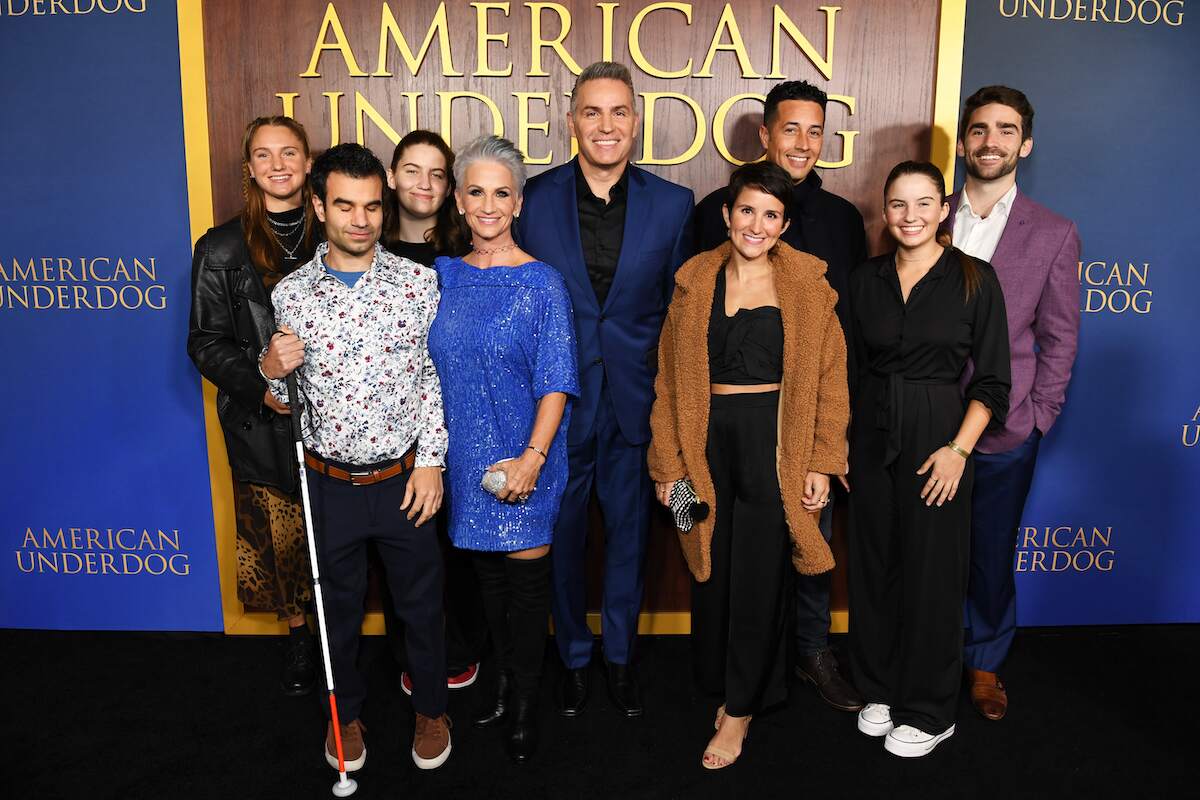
(988, 695)
(354, 749)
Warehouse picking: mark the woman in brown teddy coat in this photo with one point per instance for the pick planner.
(752, 408)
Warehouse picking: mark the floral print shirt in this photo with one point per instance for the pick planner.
(368, 386)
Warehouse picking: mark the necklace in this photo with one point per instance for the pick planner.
(489, 251)
(289, 254)
(284, 226)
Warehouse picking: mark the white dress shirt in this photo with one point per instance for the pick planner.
(978, 236)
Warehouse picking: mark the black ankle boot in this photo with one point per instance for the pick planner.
(299, 663)
(497, 711)
(523, 735)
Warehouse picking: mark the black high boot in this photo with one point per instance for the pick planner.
(529, 610)
(497, 710)
(523, 735)
(494, 592)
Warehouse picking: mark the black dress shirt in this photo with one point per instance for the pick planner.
(601, 230)
(911, 355)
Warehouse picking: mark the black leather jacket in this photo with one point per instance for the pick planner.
(231, 321)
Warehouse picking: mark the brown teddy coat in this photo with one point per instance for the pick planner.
(814, 407)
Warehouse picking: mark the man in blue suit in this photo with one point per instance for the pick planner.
(617, 234)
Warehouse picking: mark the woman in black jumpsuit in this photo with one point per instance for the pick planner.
(919, 314)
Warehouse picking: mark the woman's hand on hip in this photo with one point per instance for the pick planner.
(945, 468)
(816, 491)
(520, 475)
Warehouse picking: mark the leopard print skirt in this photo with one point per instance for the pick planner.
(272, 552)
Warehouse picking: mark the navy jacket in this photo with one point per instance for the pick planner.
(619, 339)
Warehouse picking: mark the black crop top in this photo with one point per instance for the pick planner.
(747, 348)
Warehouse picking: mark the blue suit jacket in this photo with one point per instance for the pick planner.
(620, 338)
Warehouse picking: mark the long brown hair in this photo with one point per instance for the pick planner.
(265, 252)
(447, 235)
(970, 270)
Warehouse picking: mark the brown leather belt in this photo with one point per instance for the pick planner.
(404, 464)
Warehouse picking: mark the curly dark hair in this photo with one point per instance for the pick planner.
(349, 159)
(1014, 99)
(791, 90)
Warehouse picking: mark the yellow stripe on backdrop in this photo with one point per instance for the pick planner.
(951, 31)
(952, 23)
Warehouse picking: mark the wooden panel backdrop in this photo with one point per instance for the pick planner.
(260, 60)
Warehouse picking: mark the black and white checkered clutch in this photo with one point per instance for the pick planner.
(685, 506)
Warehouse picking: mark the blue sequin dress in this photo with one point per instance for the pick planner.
(503, 338)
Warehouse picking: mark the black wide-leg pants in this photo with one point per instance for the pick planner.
(908, 564)
(346, 517)
(740, 614)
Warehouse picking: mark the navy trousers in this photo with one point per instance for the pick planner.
(812, 618)
(346, 517)
(1002, 483)
(618, 471)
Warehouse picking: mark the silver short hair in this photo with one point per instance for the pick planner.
(491, 148)
(606, 70)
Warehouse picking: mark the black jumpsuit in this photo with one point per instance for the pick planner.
(908, 562)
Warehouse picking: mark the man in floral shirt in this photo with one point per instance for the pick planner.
(353, 325)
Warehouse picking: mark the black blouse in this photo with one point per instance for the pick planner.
(747, 348)
(922, 347)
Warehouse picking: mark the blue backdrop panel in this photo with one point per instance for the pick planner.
(1110, 533)
(107, 518)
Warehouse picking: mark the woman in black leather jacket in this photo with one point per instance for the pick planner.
(234, 269)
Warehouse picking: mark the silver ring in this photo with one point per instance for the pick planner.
(522, 498)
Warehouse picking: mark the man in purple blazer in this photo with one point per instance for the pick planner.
(1035, 253)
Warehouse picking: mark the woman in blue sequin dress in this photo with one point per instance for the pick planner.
(503, 343)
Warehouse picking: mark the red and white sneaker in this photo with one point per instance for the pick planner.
(463, 679)
(460, 681)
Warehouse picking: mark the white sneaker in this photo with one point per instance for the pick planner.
(909, 742)
(875, 719)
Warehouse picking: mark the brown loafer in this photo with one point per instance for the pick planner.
(987, 694)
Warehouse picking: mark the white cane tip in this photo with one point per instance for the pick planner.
(345, 787)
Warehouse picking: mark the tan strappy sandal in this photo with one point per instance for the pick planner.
(721, 753)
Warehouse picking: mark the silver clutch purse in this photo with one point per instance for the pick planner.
(495, 482)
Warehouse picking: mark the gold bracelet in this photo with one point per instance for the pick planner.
(953, 445)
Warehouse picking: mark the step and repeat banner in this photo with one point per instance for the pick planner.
(118, 512)
(1111, 533)
(107, 520)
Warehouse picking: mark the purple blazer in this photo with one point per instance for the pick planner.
(1037, 261)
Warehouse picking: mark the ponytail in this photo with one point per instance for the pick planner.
(970, 270)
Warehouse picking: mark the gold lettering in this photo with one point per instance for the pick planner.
(1030, 539)
(389, 28)
(1054, 536)
(847, 137)
(718, 124)
(31, 540)
(447, 105)
(364, 109)
(21, 561)
(332, 23)
(782, 24)
(537, 41)
(483, 38)
(606, 29)
(289, 102)
(728, 22)
(1103, 537)
(335, 127)
(649, 101)
(524, 126)
(635, 43)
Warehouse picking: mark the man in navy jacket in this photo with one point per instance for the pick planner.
(617, 234)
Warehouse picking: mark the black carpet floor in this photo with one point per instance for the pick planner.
(1095, 713)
